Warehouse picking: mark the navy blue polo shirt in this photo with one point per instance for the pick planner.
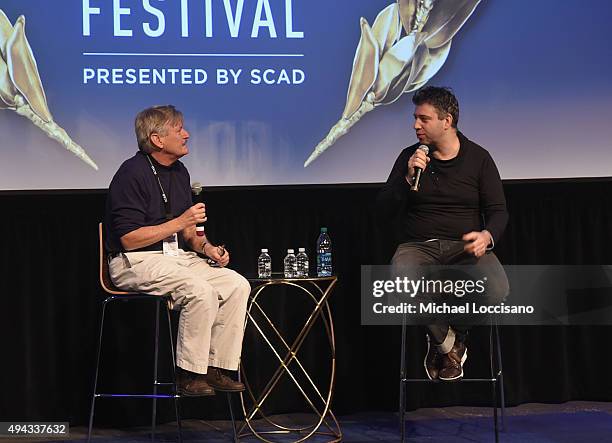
(134, 199)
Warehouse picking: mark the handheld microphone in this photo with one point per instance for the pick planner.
(418, 171)
(196, 190)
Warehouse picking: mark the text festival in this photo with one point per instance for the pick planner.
(264, 17)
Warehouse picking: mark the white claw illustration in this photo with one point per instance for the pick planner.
(387, 65)
(21, 88)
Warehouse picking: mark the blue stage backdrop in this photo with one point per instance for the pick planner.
(262, 82)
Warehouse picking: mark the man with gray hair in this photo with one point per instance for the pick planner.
(153, 248)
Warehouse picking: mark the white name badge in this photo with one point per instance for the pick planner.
(171, 245)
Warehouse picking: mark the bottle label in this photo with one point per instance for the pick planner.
(324, 264)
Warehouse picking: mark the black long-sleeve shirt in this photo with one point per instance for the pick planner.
(455, 196)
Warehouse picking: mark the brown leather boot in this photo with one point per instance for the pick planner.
(452, 363)
(221, 382)
(190, 384)
(433, 360)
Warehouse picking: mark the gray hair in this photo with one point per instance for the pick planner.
(154, 120)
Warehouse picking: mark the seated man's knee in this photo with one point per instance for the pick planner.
(498, 291)
(243, 287)
(497, 285)
(194, 288)
(406, 256)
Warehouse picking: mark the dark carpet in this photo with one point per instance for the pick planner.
(574, 422)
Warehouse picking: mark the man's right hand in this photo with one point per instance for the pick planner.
(194, 215)
(418, 160)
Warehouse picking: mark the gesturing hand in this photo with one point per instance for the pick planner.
(194, 215)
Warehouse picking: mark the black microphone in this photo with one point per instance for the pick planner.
(418, 171)
(196, 190)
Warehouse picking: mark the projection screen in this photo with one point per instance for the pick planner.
(265, 83)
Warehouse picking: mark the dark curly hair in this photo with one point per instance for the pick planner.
(441, 98)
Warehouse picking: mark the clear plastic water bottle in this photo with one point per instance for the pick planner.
(324, 254)
(290, 264)
(302, 263)
(264, 265)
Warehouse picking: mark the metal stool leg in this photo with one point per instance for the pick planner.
(402, 393)
(155, 363)
(95, 387)
(494, 392)
(496, 380)
(156, 383)
(493, 383)
(500, 371)
(231, 409)
(177, 408)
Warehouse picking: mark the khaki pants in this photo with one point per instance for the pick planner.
(212, 303)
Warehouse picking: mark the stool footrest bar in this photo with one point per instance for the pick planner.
(137, 396)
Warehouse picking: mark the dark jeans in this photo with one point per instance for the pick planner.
(450, 252)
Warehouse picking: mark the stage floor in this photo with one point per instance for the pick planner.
(571, 422)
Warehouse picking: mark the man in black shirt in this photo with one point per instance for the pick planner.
(150, 227)
(457, 215)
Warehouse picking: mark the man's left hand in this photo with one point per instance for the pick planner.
(476, 243)
(217, 253)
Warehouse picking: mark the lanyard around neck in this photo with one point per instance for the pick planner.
(161, 188)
